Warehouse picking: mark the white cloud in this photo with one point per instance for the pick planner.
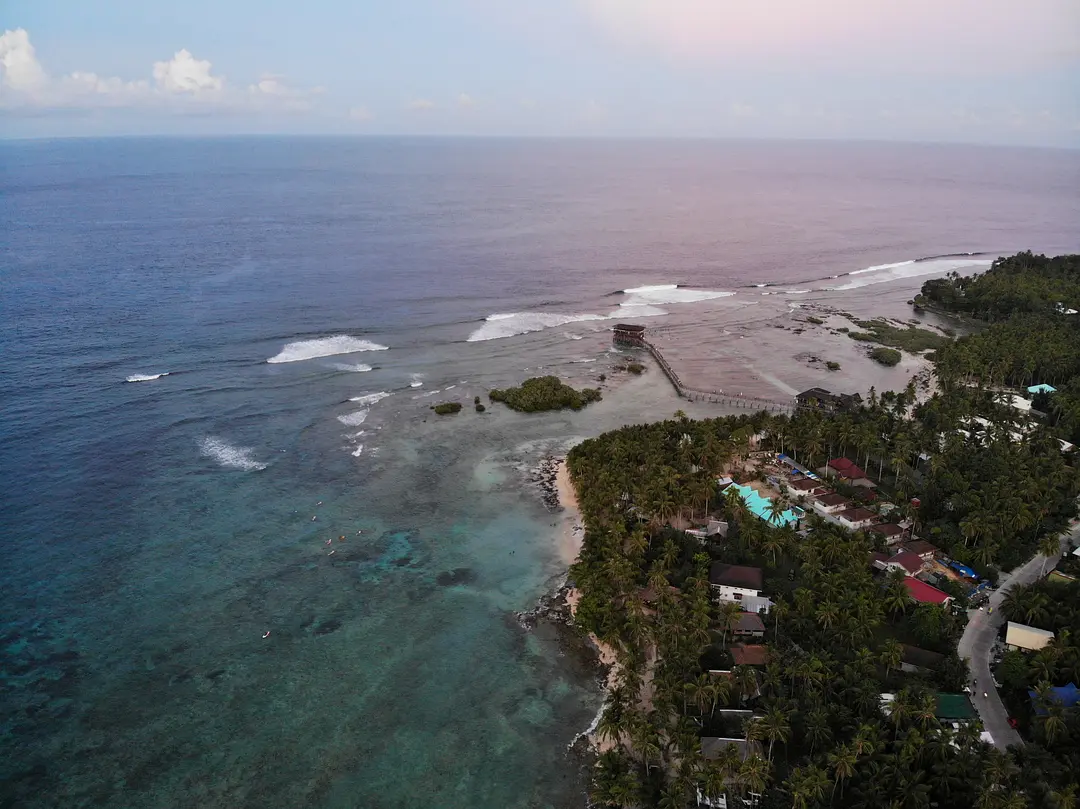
(465, 100)
(186, 74)
(22, 70)
(182, 82)
(421, 104)
(360, 114)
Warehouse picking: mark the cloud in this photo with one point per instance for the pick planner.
(420, 105)
(186, 74)
(180, 83)
(959, 36)
(360, 114)
(465, 100)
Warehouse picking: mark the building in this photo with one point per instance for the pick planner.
(1042, 388)
(739, 584)
(806, 487)
(921, 548)
(821, 399)
(845, 469)
(925, 594)
(628, 334)
(749, 625)
(761, 507)
(749, 654)
(908, 563)
(953, 708)
(831, 503)
(712, 748)
(892, 532)
(1026, 638)
(855, 519)
(915, 659)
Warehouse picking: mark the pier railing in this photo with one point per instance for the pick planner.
(714, 396)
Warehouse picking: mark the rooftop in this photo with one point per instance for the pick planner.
(921, 591)
(924, 658)
(749, 622)
(920, 547)
(833, 499)
(713, 746)
(628, 327)
(847, 468)
(889, 529)
(857, 514)
(1042, 388)
(805, 485)
(953, 706)
(749, 654)
(735, 576)
(911, 562)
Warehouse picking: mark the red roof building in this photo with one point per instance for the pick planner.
(846, 468)
(924, 593)
(891, 531)
(749, 654)
(912, 563)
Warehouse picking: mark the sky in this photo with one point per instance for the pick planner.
(971, 71)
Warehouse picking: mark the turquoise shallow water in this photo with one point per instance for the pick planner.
(153, 532)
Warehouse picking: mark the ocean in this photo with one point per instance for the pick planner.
(245, 564)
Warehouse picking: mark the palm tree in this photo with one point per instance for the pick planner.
(1049, 547)
(807, 785)
(774, 727)
(754, 774)
(892, 652)
(729, 613)
(843, 761)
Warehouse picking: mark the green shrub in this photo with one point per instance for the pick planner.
(476, 400)
(479, 407)
(446, 408)
(817, 321)
(886, 356)
(544, 393)
(862, 336)
(832, 366)
(635, 368)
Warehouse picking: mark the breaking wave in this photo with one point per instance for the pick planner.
(324, 347)
(417, 380)
(514, 323)
(229, 456)
(370, 398)
(145, 377)
(883, 273)
(358, 368)
(669, 293)
(354, 419)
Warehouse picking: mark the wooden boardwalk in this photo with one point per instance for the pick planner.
(715, 396)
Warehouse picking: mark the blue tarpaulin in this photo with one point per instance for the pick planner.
(1065, 695)
(963, 570)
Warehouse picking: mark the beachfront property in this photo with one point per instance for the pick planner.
(831, 503)
(821, 399)
(761, 507)
(739, 584)
(1024, 638)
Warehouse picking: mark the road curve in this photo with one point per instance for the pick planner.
(978, 637)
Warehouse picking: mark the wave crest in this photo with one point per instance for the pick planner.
(145, 377)
(230, 456)
(324, 347)
(882, 273)
(514, 323)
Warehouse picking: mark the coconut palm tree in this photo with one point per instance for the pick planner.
(892, 653)
(843, 761)
(775, 728)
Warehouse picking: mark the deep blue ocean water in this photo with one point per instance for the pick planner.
(153, 531)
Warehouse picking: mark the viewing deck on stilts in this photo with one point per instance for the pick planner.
(634, 336)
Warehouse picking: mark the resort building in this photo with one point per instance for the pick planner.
(831, 504)
(855, 519)
(892, 532)
(925, 594)
(1041, 388)
(628, 334)
(1026, 638)
(739, 584)
(805, 487)
(821, 399)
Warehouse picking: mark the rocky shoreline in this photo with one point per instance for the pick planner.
(544, 477)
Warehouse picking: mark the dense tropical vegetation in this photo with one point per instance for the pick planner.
(544, 393)
(985, 488)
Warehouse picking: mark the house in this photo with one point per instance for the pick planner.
(844, 468)
(831, 503)
(821, 399)
(734, 582)
(712, 748)
(908, 563)
(925, 594)
(749, 654)
(913, 659)
(921, 548)
(953, 707)
(749, 625)
(1042, 388)
(892, 532)
(856, 518)
(1026, 638)
(712, 528)
(806, 487)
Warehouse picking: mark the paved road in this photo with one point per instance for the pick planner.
(979, 636)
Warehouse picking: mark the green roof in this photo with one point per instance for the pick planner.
(954, 706)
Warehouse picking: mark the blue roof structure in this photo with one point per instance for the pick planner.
(1042, 388)
(1065, 695)
(759, 506)
(963, 570)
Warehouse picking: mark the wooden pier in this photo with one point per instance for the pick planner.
(636, 335)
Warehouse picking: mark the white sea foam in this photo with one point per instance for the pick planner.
(145, 377)
(669, 293)
(354, 419)
(910, 269)
(583, 360)
(570, 336)
(324, 347)
(797, 291)
(229, 456)
(370, 398)
(513, 323)
(417, 380)
(358, 451)
(358, 368)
